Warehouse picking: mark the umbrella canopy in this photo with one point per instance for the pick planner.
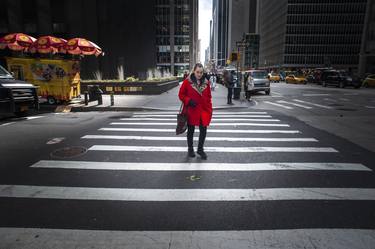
(16, 41)
(47, 44)
(80, 46)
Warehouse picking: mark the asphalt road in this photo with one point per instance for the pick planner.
(122, 180)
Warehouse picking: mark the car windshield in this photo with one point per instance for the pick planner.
(4, 73)
(259, 75)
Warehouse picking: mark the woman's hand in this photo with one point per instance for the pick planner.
(192, 103)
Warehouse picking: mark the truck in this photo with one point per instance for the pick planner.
(16, 96)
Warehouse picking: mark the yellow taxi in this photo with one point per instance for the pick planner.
(295, 79)
(369, 81)
(274, 77)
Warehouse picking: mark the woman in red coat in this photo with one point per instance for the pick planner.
(195, 93)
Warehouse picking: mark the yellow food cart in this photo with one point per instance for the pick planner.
(58, 79)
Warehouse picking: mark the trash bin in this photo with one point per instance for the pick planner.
(236, 92)
(95, 93)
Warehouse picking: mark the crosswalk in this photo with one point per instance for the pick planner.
(262, 175)
(297, 103)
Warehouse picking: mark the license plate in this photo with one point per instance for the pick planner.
(24, 108)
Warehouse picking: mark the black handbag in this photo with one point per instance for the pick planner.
(181, 121)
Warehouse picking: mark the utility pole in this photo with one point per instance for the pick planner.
(241, 44)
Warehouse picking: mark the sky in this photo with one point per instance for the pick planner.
(205, 16)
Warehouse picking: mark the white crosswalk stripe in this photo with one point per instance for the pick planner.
(224, 139)
(214, 116)
(210, 131)
(199, 166)
(210, 149)
(215, 119)
(212, 124)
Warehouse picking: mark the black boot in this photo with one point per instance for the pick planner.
(202, 137)
(191, 152)
(202, 154)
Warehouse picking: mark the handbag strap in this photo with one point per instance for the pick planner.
(181, 107)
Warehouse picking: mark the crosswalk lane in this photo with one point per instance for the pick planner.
(142, 204)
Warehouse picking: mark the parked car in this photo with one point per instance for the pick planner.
(257, 81)
(16, 96)
(339, 78)
(274, 77)
(295, 79)
(369, 81)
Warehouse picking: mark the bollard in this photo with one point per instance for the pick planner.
(86, 98)
(112, 99)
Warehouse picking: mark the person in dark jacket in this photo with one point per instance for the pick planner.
(195, 93)
(228, 83)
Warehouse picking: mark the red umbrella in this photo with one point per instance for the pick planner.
(82, 46)
(47, 44)
(16, 41)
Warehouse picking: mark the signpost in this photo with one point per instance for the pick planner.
(241, 44)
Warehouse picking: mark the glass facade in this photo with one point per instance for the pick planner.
(174, 35)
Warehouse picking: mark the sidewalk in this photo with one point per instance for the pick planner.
(166, 101)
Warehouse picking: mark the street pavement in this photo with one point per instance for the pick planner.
(123, 179)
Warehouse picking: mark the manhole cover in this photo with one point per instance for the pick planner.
(69, 152)
(346, 109)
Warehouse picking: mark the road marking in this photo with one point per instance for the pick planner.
(370, 107)
(315, 94)
(212, 124)
(215, 112)
(306, 102)
(214, 119)
(277, 93)
(9, 123)
(56, 140)
(214, 115)
(291, 103)
(210, 149)
(350, 94)
(158, 195)
(328, 99)
(210, 130)
(279, 105)
(34, 117)
(261, 239)
(199, 166)
(344, 99)
(282, 238)
(227, 139)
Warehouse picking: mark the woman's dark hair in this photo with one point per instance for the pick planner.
(197, 65)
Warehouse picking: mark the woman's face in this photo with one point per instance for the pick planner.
(198, 72)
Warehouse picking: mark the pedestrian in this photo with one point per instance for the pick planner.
(228, 82)
(195, 94)
(213, 81)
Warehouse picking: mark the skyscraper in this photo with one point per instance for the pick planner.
(176, 35)
(311, 33)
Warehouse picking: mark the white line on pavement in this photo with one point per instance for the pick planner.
(315, 94)
(215, 112)
(6, 124)
(214, 119)
(260, 239)
(291, 103)
(210, 130)
(212, 124)
(279, 105)
(306, 102)
(128, 194)
(210, 149)
(199, 166)
(175, 138)
(214, 116)
(370, 107)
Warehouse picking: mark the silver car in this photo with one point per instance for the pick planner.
(257, 81)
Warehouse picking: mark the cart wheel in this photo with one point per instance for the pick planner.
(51, 100)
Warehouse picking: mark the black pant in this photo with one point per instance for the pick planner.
(202, 136)
(230, 93)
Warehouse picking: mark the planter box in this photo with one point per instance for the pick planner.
(132, 88)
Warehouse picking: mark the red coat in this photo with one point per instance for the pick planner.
(201, 114)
